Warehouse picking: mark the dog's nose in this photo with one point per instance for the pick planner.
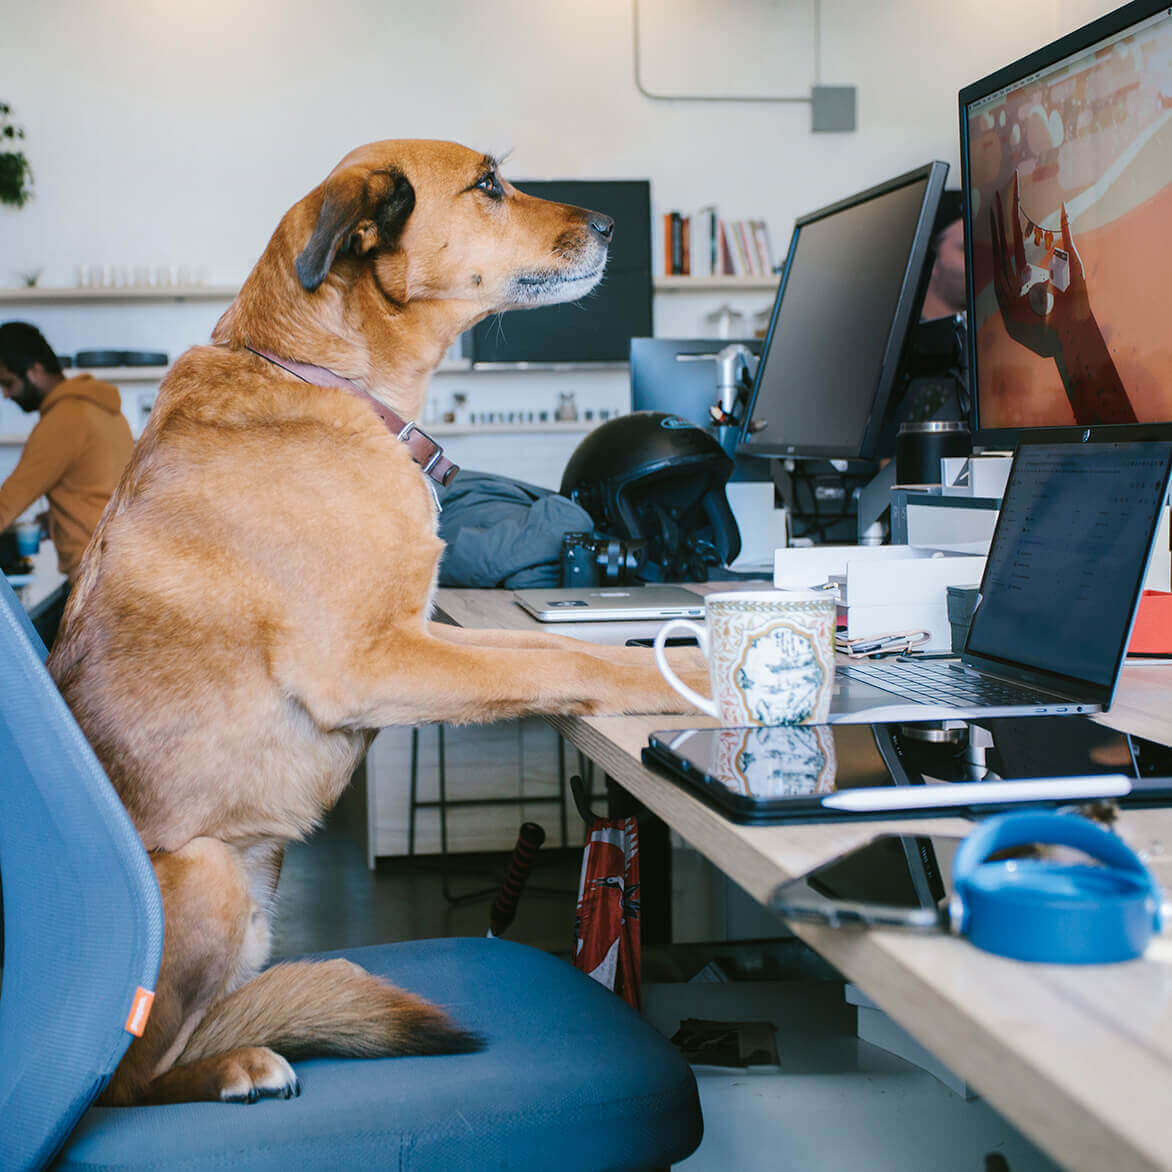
(602, 227)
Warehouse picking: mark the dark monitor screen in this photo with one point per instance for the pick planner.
(599, 327)
(851, 289)
(1068, 558)
(1067, 176)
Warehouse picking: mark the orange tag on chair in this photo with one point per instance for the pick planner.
(140, 1010)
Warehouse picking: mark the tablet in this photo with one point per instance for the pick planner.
(772, 774)
(843, 771)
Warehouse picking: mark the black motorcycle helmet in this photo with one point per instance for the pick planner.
(658, 479)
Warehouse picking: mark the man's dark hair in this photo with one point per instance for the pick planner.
(21, 345)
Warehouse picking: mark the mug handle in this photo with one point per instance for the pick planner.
(701, 702)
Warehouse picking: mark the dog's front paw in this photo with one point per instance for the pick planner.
(688, 662)
(256, 1072)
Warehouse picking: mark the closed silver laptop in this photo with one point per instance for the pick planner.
(611, 603)
(1062, 584)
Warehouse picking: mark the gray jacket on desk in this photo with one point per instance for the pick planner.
(503, 532)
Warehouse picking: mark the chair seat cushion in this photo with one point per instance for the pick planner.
(570, 1078)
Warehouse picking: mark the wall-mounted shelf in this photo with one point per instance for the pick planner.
(120, 374)
(554, 426)
(66, 296)
(550, 427)
(154, 374)
(716, 284)
(543, 367)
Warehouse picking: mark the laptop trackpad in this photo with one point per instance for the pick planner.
(857, 696)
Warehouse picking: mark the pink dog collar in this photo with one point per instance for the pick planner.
(424, 450)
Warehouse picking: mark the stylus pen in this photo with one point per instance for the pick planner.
(979, 793)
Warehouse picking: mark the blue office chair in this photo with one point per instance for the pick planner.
(570, 1077)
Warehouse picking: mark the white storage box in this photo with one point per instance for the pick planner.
(763, 527)
(880, 598)
(884, 589)
(984, 476)
(810, 567)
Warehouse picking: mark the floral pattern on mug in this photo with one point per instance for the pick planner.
(772, 662)
(780, 675)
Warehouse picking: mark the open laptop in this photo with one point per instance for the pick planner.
(1062, 583)
(611, 603)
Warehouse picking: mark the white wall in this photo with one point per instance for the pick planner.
(178, 132)
(174, 131)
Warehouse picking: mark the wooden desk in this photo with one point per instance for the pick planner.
(1080, 1058)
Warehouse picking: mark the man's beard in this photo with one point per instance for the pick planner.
(29, 398)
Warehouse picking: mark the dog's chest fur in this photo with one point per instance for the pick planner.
(265, 533)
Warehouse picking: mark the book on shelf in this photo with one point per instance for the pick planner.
(764, 246)
(744, 252)
(727, 265)
(705, 250)
(704, 245)
(673, 244)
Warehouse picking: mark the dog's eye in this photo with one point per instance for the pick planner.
(490, 185)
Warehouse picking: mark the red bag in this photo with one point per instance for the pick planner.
(607, 940)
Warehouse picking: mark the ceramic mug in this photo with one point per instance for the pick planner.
(770, 656)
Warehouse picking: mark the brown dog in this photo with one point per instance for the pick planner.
(255, 600)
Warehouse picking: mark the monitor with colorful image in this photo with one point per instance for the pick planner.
(1067, 173)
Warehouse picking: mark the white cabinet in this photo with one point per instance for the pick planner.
(510, 759)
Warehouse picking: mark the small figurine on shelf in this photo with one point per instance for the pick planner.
(458, 412)
(727, 322)
(567, 408)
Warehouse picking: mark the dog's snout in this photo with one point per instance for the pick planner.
(602, 227)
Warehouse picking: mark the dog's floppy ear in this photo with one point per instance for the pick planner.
(361, 209)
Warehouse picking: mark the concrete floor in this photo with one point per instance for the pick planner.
(833, 1102)
(328, 898)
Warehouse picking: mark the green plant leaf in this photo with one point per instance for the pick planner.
(16, 176)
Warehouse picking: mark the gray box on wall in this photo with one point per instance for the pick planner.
(832, 108)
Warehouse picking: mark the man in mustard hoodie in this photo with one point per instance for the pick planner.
(75, 453)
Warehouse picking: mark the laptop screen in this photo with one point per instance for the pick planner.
(1069, 556)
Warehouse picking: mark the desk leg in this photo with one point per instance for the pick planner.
(654, 864)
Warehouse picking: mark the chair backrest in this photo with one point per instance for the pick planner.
(83, 918)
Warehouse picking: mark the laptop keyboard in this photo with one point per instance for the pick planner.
(935, 683)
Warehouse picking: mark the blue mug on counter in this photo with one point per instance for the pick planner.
(1049, 910)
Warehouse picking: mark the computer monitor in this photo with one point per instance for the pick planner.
(1066, 165)
(850, 291)
(598, 328)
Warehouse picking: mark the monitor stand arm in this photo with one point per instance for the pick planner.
(874, 498)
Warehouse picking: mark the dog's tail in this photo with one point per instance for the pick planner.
(314, 1008)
